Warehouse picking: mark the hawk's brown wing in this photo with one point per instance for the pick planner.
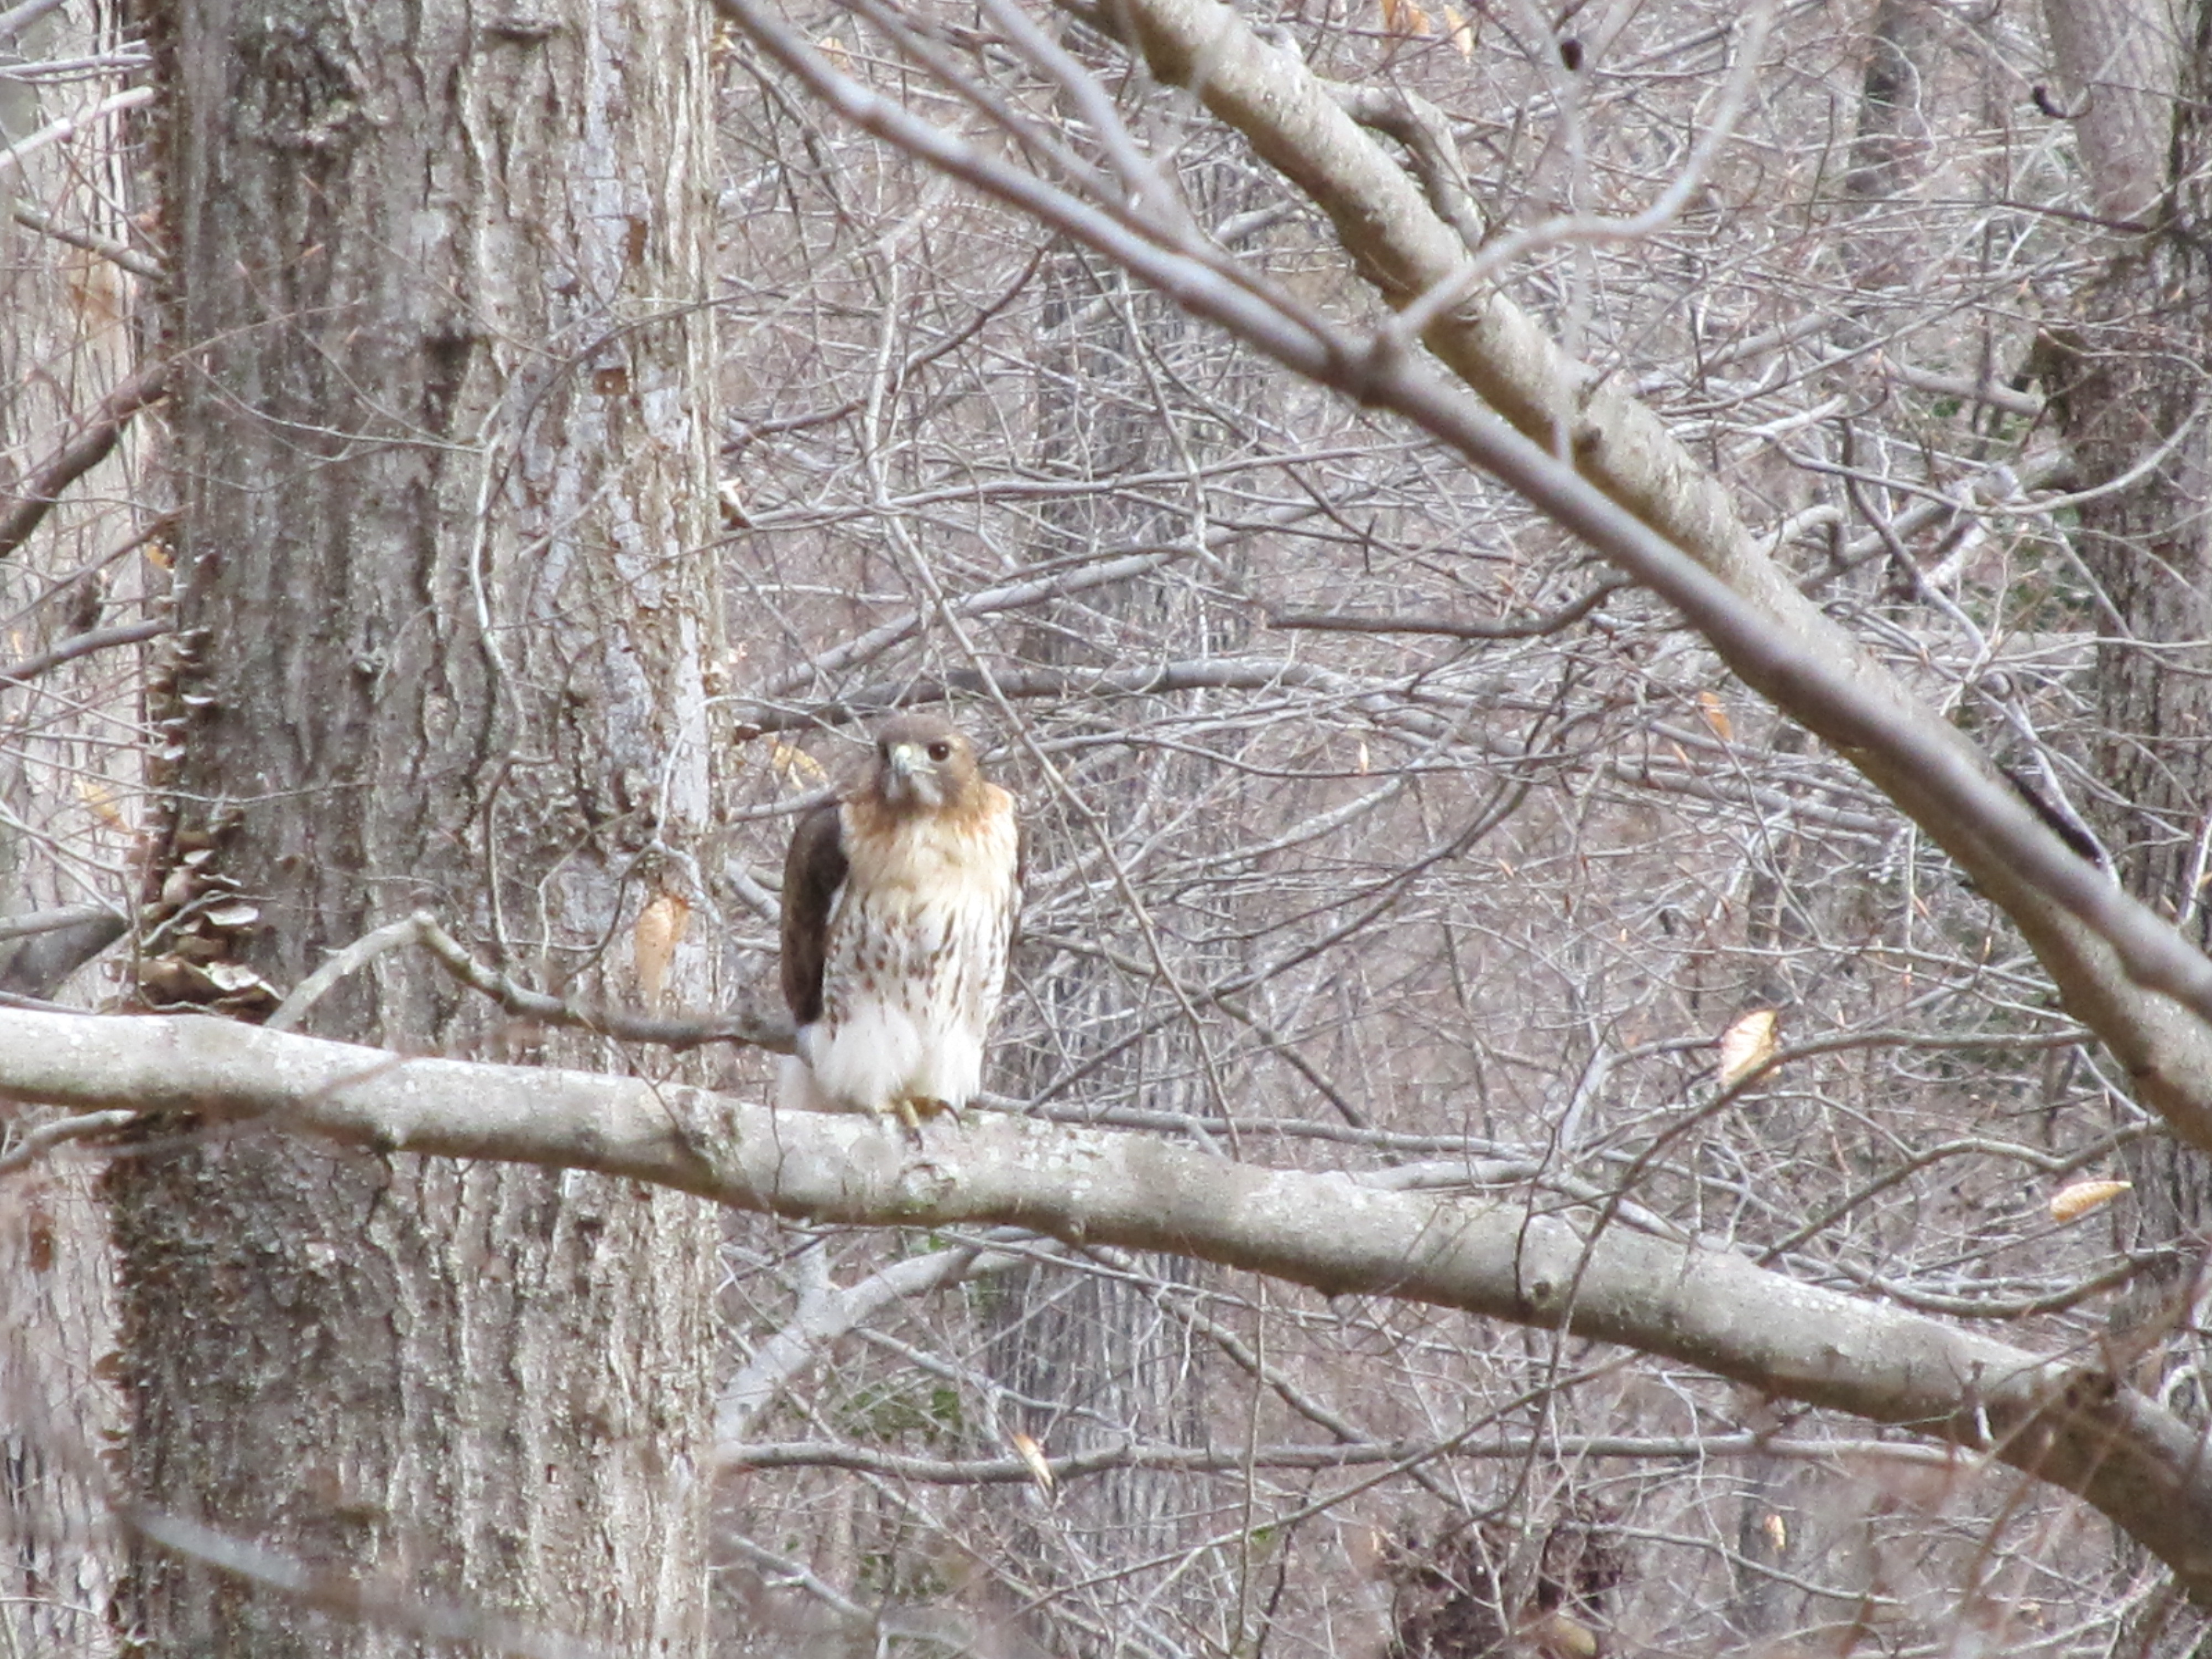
(813, 871)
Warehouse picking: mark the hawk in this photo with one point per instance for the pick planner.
(899, 901)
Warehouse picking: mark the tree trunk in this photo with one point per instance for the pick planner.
(2118, 62)
(443, 456)
(1102, 1348)
(2127, 384)
(1888, 148)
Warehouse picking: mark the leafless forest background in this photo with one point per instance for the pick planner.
(1377, 826)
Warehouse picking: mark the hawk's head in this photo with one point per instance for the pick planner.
(924, 765)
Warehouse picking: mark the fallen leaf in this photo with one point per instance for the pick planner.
(1557, 1636)
(2077, 1198)
(100, 798)
(1717, 715)
(1405, 17)
(659, 929)
(797, 766)
(1746, 1045)
(1459, 32)
(1033, 1455)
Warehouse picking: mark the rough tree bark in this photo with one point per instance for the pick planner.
(1097, 1346)
(2118, 61)
(442, 459)
(2128, 380)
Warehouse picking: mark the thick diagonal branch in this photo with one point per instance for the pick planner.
(1585, 452)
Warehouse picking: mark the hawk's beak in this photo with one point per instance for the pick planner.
(912, 778)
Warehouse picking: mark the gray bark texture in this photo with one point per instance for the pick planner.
(441, 452)
(2117, 61)
(2127, 378)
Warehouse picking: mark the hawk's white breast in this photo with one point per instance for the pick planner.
(916, 960)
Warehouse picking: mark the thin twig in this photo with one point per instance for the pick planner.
(36, 493)
(351, 960)
(36, 1143)
(1566, 616)
(750, 1027)
(1572, 229)
(17, 19)
(81, 645)
(55, 132)
(1075, 1466)
(1205, 674)
(1425, 133)
(122, 253)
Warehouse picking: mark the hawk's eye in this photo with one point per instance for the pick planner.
(939, 751)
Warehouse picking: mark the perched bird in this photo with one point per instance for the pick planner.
(899, 901)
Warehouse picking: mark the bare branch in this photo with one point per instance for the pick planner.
(34, 495)
(1537, 1263)
(1566, 617)
(49, 921)
(36, 1144)
(756, 1029)
(1212, 673)
(827, 1311)
(1011, 596)
(122, 253)
(1664, 520)
(56, 132)
(1420, 126)
(81, 645)
(1075, 1466)
(52, 944)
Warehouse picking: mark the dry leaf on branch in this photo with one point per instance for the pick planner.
(1459, 32)
(1033, 1455)
(795, 765)
(659, 929)
(1747, 1044)
(2073, 1201)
